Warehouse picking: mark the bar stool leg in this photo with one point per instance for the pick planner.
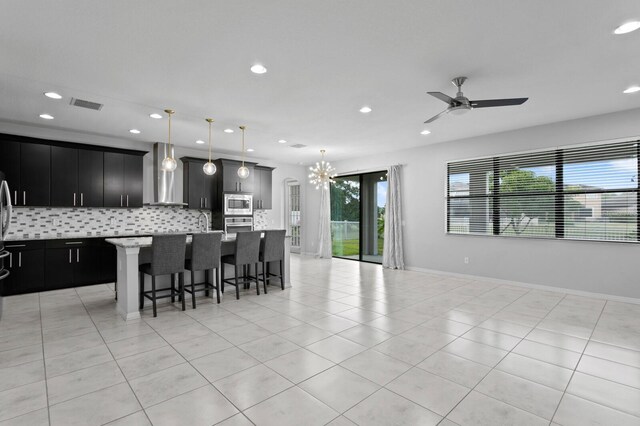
(173, 288)
(216, 278)
(222, 268)
(193, 289)
(281, 274)
(181, 284)
(153, 294)
(206, 280)
(264, 276)
(141, 285)
(237, 285)
(257, 283)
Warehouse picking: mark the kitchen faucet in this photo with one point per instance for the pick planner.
(206, 223)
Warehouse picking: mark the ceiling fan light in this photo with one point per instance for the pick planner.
(459, 110)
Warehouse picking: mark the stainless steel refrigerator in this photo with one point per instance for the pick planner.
(5, 220)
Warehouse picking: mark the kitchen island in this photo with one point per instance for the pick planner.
(129, 258)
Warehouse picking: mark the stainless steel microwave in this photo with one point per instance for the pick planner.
(238, 204)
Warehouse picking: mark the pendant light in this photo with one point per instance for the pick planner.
(243, 171)
(169, 164)
(322, 174)
(209, 168)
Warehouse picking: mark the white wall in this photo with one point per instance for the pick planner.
(602, 267)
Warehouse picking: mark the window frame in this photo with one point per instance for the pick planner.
(494, 196)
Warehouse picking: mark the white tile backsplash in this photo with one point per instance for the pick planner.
(29, 223)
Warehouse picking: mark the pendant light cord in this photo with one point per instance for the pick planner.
(242, 128)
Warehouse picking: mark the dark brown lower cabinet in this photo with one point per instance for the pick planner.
(26, 267)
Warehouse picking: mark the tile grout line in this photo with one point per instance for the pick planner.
(580, 359)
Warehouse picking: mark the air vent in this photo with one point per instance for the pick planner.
(298, 145)
(86, 104)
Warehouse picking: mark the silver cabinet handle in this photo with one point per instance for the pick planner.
(73, 242)
(15, 197)
(78, 255)
(10, 260)
(15, 245)
(74, 199)
(120, 200)
(205, 202)
(69, 255)
(127, 200)
(19, 259)
(81, 199)
(24, 198)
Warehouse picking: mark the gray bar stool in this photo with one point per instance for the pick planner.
(205, 256)
(272, 250)
(167, 258)
(247, 253)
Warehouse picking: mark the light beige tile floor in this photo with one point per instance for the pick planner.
(350, 343)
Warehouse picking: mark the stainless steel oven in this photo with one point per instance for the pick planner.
(233, 225)
(238, 204)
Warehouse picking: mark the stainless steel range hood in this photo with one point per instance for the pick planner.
(164, 191)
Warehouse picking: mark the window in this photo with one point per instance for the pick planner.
(588, 193)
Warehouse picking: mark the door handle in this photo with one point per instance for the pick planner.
(19, 259)
(69, 255)
(74, 199)
(77, 255)
(81, 199)
(9, 209)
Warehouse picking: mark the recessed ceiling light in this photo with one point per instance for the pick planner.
(155, 115)
(282, 141)
(365, 110)
(258, 69)
(627, 27)
(632, 89)
(199, 142)
(228, 130)
(46, 116)
(134, 131)
(250, 149)
(425, 132)
(53, 95)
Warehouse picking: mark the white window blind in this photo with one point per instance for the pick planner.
(588, 192)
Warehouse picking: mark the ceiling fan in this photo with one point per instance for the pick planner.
(461, 104)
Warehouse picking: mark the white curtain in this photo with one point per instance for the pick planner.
(324, 229)
(393, 255)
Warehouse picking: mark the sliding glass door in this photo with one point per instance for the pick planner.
(357, 216)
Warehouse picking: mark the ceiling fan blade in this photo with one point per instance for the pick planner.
(435, 117)
(489, 103)
(443, 97)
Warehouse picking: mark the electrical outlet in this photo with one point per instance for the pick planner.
(56, 221)
(112, 221)
(466, 260)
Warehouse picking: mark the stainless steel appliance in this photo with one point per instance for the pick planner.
(238, 204)
(5, 221)
(233, 225)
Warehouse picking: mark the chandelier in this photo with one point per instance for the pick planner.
(322, 174)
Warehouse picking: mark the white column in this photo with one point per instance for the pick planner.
(127, 283)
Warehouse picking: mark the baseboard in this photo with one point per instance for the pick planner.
(593, 295)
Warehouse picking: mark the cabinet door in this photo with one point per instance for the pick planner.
(113, 179)
(257, 194)
(35, 174)
(31, 270)
(11, 284)
(208, 191)
(133, 180)
(195, 185)
(10, 165)
(87, 265)
(266, 181)
(59, 266)
(230, 179)
(64, 177)
(90, 178)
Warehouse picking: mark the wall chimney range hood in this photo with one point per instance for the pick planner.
(164, 191)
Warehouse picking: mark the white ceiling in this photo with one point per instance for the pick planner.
(326, 59)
